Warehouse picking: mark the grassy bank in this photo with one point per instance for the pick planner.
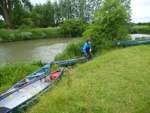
(29, 34)
(10, 74)
(140, 29)
(115, 82)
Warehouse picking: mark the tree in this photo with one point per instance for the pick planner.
(91, 7)
(8, 7)
(57, 13)
(113, 17)
(76, 9)
(111, 23)
(43, 15)
(84, 9)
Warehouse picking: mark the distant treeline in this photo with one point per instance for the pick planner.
(22, 14)
(141, 28)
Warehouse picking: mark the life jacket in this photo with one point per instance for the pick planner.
(86, 47)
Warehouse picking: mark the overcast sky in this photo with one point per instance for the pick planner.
(140, 9)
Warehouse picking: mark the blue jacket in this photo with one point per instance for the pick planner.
(86, 47)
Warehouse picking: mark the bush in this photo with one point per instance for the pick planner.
(24, 26)
(3, 24)
(51, 32)
(72, 28)
(38, 34)
(98, 38)
(14, 35)
(111, 23)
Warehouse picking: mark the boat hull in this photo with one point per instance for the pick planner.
(24, 94)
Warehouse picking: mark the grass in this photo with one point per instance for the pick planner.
(10, 74)
(7, 35)
(115, 82)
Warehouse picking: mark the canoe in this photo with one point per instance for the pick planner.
(70, 62)
(131, 43)
(25, 90)
(45, 70)
(33, 85)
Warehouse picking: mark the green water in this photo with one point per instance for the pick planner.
(33, 50)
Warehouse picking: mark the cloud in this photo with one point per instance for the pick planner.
(140, 10)
(38, 1)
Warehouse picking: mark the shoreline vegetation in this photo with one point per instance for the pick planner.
(70, 28)
(7, 35)
(10, 35)
(140, 29)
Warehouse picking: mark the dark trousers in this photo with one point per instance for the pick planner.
(87, 54)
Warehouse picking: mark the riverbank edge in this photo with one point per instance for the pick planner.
(8, 35)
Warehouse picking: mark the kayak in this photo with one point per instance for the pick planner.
(24, 91)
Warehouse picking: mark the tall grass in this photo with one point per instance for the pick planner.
(116, 82)
(10, 74)
(73, 49)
